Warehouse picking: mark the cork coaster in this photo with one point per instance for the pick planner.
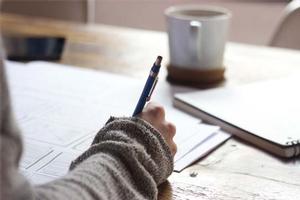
(195, 77)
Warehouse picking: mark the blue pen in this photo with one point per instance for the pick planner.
(149, 87)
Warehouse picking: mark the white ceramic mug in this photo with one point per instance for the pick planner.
(197, 36)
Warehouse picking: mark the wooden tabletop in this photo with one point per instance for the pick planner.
(236, 170)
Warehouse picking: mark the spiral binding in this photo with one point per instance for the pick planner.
(293, 142)
(296, 145)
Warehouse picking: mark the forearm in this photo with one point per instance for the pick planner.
(127, 160)
(99, 177)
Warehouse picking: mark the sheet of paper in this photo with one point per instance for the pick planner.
(38, 178)
(194, 133)
(34, 152)
(62, 108)
(59, 166)
(202, 149)
(84, 144)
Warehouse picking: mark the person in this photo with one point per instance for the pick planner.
(128, 159)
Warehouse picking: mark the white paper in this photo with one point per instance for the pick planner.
(84, 144)
(33, 152)
(192, 135)
(60, 109)
(59, 166)
(202, 149)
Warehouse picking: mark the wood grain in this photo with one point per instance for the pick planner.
(236, 170)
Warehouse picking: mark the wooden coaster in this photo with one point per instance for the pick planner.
(195, 77)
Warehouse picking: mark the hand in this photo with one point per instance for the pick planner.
(155, 115)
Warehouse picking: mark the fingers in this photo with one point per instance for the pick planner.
(173, 148)
(155, 110)
(155, 115)
(171, 129)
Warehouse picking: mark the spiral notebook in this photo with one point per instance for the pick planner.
(265, 113)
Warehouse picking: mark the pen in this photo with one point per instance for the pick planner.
(149, 87)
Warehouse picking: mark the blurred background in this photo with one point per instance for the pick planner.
(254, 21)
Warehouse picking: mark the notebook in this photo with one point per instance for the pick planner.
(264, 113)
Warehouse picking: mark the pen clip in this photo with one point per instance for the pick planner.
(152, 89)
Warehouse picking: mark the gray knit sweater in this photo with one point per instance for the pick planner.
(128, 159)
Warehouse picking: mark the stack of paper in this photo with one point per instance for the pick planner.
(60, 109)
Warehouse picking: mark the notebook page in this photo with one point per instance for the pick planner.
(64, 107)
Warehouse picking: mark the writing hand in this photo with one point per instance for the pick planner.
(155, 115)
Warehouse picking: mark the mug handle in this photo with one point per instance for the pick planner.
(195, 41)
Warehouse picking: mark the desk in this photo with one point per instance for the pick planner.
(236, 170)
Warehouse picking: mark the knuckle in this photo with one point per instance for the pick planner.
(158, 110)
(172, 129)
(174, 148)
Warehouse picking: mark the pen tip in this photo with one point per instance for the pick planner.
(158, 60)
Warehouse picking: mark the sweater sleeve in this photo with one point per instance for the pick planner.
(13, 185)
(128, 159)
